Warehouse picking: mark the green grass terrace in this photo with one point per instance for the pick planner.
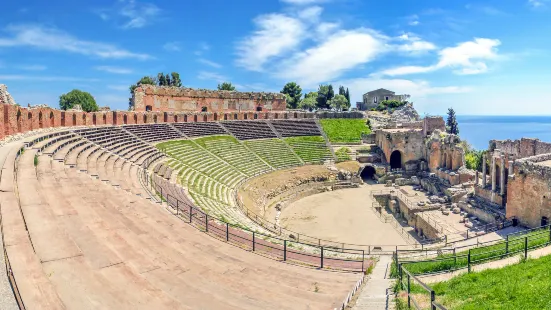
(345, 130)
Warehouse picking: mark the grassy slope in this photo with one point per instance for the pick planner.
(482, 254)
(345, 130)
(309, 155)
(526, 285)
(343, 154)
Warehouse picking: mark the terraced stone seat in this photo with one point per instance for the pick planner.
(249, 129)
(153, 132)
(200, 129)
(296, 128)
(275, 152)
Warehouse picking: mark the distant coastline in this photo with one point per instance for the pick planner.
(478, 130)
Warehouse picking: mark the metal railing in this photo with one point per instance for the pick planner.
(405, 281)
(321, 257)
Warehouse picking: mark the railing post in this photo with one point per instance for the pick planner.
(432, 300)
(454, 257)
(409, 291)
(285, 250)
(507, 246)
(253, 242)
(549, 233)
(177, 207)
(161, 196)
(526, 247)
(190, 213)
(321, 256)
(469, 261)
(227, 232)
(206, 222)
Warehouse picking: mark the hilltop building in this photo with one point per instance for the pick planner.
(373, 98)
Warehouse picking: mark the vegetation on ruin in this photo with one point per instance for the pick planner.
(325, 94)
(160, 80)
(473, 158)
(451, 122)
(226, 86)
(343, 154)
(389, 105)
(82, 98)
(345, 93)
(524, 285)
(309, 102)
(293, 92)
(339, 103)
(345, 130)
(449, 262)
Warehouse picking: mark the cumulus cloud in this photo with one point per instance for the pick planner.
(52, 39)
(465, 58)
(276, 34)
(342, 51)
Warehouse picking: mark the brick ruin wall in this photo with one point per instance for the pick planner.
(16, 119)
(517, 149)
(179, 99)
(529, 190)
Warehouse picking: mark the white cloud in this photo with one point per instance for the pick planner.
(418, 89)
(55, 40)
(138, 14)
(414, 44)
(312, 13)
(413, 20)
(209, 63)
(15, 77)
(465, 58)
(536, 3)
(276, 34)
(211, 76)
(115, 70)
(32, 67)
(172, 46)
(343, 51)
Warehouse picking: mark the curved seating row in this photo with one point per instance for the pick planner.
(90, 245)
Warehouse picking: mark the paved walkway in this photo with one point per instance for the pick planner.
(490, 265)
(377, 292)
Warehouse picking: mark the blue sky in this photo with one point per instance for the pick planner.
(479, 57)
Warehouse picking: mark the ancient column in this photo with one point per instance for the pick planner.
(484, 171)
(476, 178)
(493, 170)
(502, 177)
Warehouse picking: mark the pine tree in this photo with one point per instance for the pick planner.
(451, 123)
(347, 95)
(168, 81)
(161, 79)
(342, 91)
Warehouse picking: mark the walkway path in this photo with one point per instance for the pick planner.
(377, 292)
(490, 265)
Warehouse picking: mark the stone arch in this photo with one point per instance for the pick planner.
(155, 118)
(63, 119)
(225, 116)
(245, 116)
(124, 119)
(165, 117)
(52, 119)
(195, 118)
(276, 116)
(94, 119)
(104, 118)
(215, 117)
(396, 160)
(74, 119)
(255, 116)
(204, 109)
(295, 115)
(40, 120)
(258, 109)
(449, 162)
(145, 118)
(205, 118)
(18, 119)
(235, 116)
(148, 108)
(135, 118)
(368, 172)
(30, 120)
(185, 118)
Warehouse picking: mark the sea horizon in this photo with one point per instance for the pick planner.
(478, 130)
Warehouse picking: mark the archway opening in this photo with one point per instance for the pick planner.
(30, 119)
(258, 109)
(195, 118)
(124, 119)
(94, 119)
(148, 108)
(544, 221)
(104, 119)
(74, 120)
(225, 117)
(204, 109)
(18, 120)
(204, 118)
(396, 160)
(40, 121)
(235, 116)
(51, 119)
(368, 173)
(450, 162)
(215, 117)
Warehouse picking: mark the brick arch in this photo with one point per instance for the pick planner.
(40, 120)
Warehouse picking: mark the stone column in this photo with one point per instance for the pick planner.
(476, 178)
(493, 170)
(502, 177)
(484, 171)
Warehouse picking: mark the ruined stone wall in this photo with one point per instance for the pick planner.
(422, 227)
(529, 190)
(5, 97)
(444, 151)
(488, 195)
(408, 142)
(178, 99)
(517, 149)
(432, 123)
(16, 119)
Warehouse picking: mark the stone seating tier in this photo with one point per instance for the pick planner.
(249, 130)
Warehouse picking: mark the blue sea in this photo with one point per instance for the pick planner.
(479, 130)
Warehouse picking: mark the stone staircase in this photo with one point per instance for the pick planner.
(377, 292)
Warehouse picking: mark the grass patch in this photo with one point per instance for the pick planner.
(343, 154)
(35, 160)
(526, 285)
(312, 149)
(345, 130)
(449, 262)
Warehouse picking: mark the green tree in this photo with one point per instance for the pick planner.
(324, 95)
(75, 96)
(308, 103)
(347, 95)
(168, 81)
(161, 79)
(342, 91)
(226, 86)
(176, 82)
(338, 103)
(451, 123)
(294, 93)
(145, 80)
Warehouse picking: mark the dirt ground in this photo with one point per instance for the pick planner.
(344, 215)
